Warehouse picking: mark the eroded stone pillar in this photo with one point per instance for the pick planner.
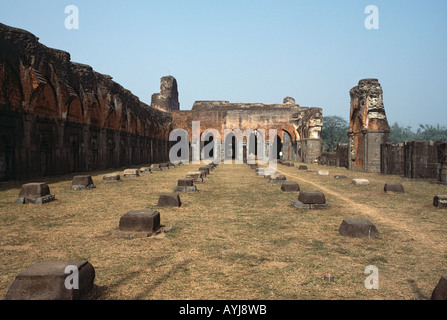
(167, 99)
(368, 127)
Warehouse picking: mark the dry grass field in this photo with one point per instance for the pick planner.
(237, 238)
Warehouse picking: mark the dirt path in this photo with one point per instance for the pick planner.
(421, 235)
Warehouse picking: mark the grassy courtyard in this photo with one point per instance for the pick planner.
(237, 238)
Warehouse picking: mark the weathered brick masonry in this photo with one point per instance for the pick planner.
(368, 126)
(298, 128)
(415, 160)
(57, 116)
(369, 148)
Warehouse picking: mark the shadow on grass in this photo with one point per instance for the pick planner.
(417, 291)
(147, 291)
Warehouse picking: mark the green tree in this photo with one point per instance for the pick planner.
(423, 133)
(429, 132)
(401, 134)
(335, 130)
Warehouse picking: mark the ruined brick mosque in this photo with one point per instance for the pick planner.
(61, 117)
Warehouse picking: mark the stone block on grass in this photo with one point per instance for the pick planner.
(360, 182)
(358, 228)
(302, 168)
(206, 170)
(82, 183)
(290, 187)
(299, 205)
(111, 178)
(440, 201)
(185, 182)
(194, 174)
(440, 291)
(394, 188)
(35, 193)
(156, 167)
(323, 173)
(169, 200)
(140, 221)
(145, 170)
(46, 280)
(277, 178)
(185, 185)
(185, 189)
(131, 173)
(312, 197)
(339, 176)
(197, 176)
(311, 200)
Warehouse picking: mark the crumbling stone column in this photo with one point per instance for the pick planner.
(368, 127)
(167, 99)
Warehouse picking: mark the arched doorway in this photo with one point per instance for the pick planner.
(182, 148)
(253, 144)
(230, 148)
(287, 146)
(276, 148)
(208, 147)
(6, 158)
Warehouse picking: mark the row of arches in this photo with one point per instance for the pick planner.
(282, 148)
(47, 95)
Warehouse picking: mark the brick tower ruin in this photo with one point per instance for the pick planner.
(368, 127)
(167, 99)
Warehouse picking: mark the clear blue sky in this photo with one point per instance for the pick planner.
(258, 50)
